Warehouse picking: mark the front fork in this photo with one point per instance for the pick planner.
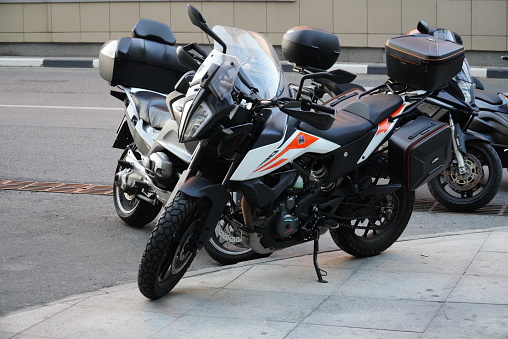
(458, 145)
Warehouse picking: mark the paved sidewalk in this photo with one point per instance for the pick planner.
(76, 62)
(448, 286)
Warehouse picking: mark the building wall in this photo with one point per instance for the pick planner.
(358, 23)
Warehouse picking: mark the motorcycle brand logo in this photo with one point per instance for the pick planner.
(436, 159)
(301, 139)
(506, 150)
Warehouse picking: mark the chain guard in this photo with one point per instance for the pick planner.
(385, 213)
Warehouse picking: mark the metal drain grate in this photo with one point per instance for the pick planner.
(421, 205)
(55, 187)
(425, 205)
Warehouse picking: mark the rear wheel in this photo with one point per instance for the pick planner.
(172, 246)
(474, 189)
(381, 218)
(131, 209)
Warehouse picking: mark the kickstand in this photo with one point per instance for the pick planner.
(320, 273)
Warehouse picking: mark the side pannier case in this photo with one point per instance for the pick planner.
(419, 151)
(422, 61)
(310, 47)
(147, 60)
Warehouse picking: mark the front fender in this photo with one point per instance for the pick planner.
(471, 136)
(199, 187)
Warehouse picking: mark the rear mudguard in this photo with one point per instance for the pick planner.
(124, 136)
(199, 187)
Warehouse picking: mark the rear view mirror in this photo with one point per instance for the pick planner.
(423, 27)
(196, 17)
(199, 21)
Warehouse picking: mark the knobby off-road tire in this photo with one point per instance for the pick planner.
(475, 189)
(130, 209)
(172, 246)
(393, 218)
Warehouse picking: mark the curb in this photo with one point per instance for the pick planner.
(380, 69)
(373, 69)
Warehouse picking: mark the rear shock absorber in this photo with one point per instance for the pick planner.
(318, 173)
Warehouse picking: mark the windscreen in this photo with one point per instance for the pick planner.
(260, 64)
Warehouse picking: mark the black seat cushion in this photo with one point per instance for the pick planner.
(490, 97)
(357, 118)
(346, 128)
(375, 108)
(152, 107)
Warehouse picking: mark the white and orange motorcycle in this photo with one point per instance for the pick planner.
(281, 170)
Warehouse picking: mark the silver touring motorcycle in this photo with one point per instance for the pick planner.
(283, 170)
(151, 84)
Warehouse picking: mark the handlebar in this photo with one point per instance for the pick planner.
(322, 108)
(307, 105)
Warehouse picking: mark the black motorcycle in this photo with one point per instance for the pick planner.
(480, 131)
(492, 120)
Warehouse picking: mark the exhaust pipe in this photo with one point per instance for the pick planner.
(133, 175)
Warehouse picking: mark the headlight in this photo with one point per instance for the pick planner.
(195, 122)
(467, 89)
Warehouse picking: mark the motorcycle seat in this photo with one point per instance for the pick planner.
(346, 128)
(152, 108)
(357, 118)
(490, 97)
(375, 108)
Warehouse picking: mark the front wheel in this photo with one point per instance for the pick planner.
(225, 246)
(172, 245)
(474, 189)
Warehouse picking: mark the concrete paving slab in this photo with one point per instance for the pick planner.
(87, 322)
(181, 300)
(399, 285)
(333, 332)
(450, 255)
(496, 242)
(223, 328)
(21, 321)
(481, 289)
(375, 313)
(330, 259)
(277, 278)
(259, 305)
(469, 321)
(489, 263)
(215, 279)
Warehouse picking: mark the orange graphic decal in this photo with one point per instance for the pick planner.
(385, 125)
(302, 140)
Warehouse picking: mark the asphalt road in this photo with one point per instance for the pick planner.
(58, 125)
